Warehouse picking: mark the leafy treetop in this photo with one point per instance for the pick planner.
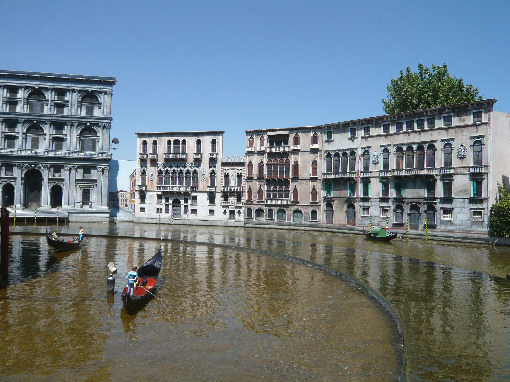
(426, 89)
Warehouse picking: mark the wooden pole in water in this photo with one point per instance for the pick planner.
(5, 244)
(35, 217)
(407, 228)
(57, 217)
(15, 216)
(370, 223)
(426, 230)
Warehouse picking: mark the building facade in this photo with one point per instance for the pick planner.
(232, 187)
(177, 177)
(283, 175)
(55, 141)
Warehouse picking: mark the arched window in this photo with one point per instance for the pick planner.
(213, 145)
(399, 158)
(169, 146)
(329, 163)
(313, 195)
(431, 214)
(420, 158)
(154, 147)
(295, 140)
(194, 179)
(160, 178)
(261, 141)
(286, 173)
(212, 179)
(167, 178)
(281, 169)
(366, 161)
(295, 195)
(399, 214)
(275, 192)
(269, 168)
(260, 193)
(183, 146)
(314, 168)
(187, 179)
(315, 139)
(177, 146)
(180, 178)
(286, 193)
(36, 101)
(336, 163)
(174, 178)
(239, 180)
(249, 194)
(144, 147)
(198, 146)
(477, 153)
(143, 178)
(249, 213)
(386, 159)
(261, 170)
(88, 139)
(447, 155)
(295, 169)
(431, 156)
(352, 162)
(250, 169)
(280, 192)
(250, 142)
(409, 157)
(89, 104)
(345, 162)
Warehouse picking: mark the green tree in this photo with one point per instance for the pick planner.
(500, 214)
(426, 89)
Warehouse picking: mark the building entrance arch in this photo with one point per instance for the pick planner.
(56, 196)
(7, 195)
(329, 213)
(351, 214)
(176, 208)
(32, 188)
(414, 217)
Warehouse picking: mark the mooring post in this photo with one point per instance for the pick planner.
(35, 217)
(5, 244)
(407, 228)
(426, 230)
(15, 216)
(57, 218)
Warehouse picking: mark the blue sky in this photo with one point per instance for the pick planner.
(242, 65)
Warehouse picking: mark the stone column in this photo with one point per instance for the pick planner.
(99, 184)
(45, 186)
(48, 143)
(19, 187)
(69, 141)
(105, 187)
(101, 131)
(72, 187)
(20, 134)
(67, 186)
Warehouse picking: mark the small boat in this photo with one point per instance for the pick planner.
(146, 287)
(62, 244)
(380, 234)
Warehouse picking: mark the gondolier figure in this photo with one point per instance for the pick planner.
(81, 233)
(132, 278)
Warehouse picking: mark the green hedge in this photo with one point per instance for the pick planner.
(500, 214)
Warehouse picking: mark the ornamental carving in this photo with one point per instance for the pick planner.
(375, 158)
(461, 151)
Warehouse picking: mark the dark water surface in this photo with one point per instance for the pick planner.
(221, 314)
(452, 299)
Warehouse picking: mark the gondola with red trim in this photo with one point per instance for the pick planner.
(146, 286)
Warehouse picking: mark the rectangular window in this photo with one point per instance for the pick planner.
(13, 105)
(365, 211)
(212, 199)
(11, 126)
(385, 212)
(477, 116)
(142, 198)
(87, 173)
(352, 132)
(85, 195)
(366, 130)
(386, 128)
(60, 94)
(447, 120)
(34, 143)
(211, 212)
(399, 126)
(329, 135)
(193, 211)
(89, 110)
(270, 214)
(399, 189)
(431, 190)
(420, 124)
(58, 144)
(12, 92)
(10, 142)
(447, 214)
(59, 108)
(57, 171)
(58, 129)
(159, 210)
(352, 189)
(431, 122)
(366, 189)
(409, 125)
(167, 208)
(477, 188)
(447, 189)
(477, 215)
(159, 199)
(9, 170)
(385, 189)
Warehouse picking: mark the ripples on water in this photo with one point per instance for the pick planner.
(221, 313)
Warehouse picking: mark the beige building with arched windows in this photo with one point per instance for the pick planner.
(55, 143)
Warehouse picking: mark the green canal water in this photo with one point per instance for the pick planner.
(228, 310)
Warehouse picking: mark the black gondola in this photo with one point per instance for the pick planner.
(62, 244)
(146, 287)
(380, 234)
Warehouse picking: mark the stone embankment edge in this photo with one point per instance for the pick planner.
(354, 283)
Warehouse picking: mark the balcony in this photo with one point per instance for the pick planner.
(143, 156)
(153, 156)
(446, 170)
(213, 156)
(197, 156)
(477, 170)
(141, 187)
(174, 188)
(314, 146)
(211, 188)
(278, 202)
(261, 149)
(175, 156)
(250, 149)
(339, 175)
(278, 149)
(295, 148)
(232, 189)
